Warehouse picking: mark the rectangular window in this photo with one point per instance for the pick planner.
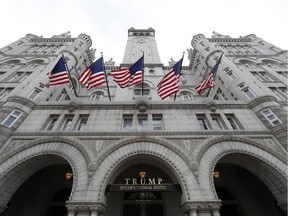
(52, 122)
(220, 95)
(12, 118)
(271, 117)
(233, 121)
(249, 93)
(63, 96)
(34, 94)
(142, 122)
(127, 122)
(4, 92)
(157, 122)
(217, 123)
(232, 75)
(83, 119)
(202, 122)
(67, 123)
(280, 92)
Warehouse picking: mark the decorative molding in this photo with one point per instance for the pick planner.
(80, 206)
(22, 100)
(57, 139)
(163, 134)
(201, 206)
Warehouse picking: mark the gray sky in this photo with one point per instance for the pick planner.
(175, 22)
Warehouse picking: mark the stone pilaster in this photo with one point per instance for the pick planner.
(85, 208)
(195, 208)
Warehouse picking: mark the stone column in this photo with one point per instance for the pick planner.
(71, 213)
(192, 213)
(216, 213)
(94, 213)
(85, 208)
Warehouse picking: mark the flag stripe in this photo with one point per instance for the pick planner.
(208, 82)
(94, 75)
(126, 77)
(169, 83)
(59, 74)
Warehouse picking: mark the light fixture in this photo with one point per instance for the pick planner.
(216, 174)
(68, 176)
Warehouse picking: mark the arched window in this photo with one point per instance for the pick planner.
(138, 91)
(97, 96)
(185, 95)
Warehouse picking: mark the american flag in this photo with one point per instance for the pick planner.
(208, 82)
(129, 76)
(169, 83)
(93, 75)
(59, 74)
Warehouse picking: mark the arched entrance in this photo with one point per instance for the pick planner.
(240, 189)
(143, 190)
(44, 193)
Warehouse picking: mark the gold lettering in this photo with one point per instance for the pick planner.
(134, 181)
(142, 181)
(127, 181)
(159, 180)
(152, 181)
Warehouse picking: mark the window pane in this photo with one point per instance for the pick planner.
(82, 124)
(51, 123)
(127, 122)
(157, 123)
(217, 123)
(142, 123)
(9, 121)
(202, 123)
(67, 124)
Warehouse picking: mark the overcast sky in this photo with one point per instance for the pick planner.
(175, 22)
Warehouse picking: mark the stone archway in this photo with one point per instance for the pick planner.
(143, 188)
(23, 161)
(265, 163)
(168, 156)
(43, 193)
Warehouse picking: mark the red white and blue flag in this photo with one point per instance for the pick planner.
(59, 74)
(126, 77)
(169, 83)
(93, 75)
(208, 82)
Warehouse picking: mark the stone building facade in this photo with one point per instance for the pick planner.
(79, 153)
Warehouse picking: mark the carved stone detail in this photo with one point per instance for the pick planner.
(201, 205)
(15, 143)
(85, 206)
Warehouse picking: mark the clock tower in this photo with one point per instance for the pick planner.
(139, 41)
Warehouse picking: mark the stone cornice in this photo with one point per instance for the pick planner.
(161, 105)
(122, 134)
(54, 40)
(230, 40)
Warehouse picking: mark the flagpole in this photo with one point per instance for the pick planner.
(105, 76)
(179, 74)
(143, 75)
(214, 75)
(69, 75)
